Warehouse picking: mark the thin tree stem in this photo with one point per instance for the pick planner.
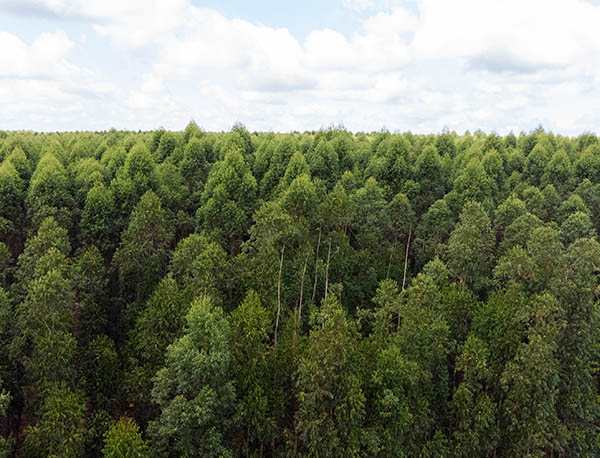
(405, 267)
(406, 257)
(327, 270)
(316, 266)
(279, 294)
(302, 289)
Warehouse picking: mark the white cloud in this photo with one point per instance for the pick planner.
(358, 5)
(41, 87)
(416, 65)
(45, 57)
(327, 49)
(132, 23)
(150, 83)
(535, 32)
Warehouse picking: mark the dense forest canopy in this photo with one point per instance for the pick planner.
(325, 294)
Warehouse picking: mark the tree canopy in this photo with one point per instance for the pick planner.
(323, 294)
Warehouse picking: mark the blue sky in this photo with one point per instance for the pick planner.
(421, 65)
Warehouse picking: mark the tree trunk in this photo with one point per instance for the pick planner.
(302, 290)
(316, 266)
(406, 257)
(327, 270)
(279, 294)
(405, 267)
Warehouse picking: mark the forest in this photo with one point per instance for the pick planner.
(321, 294)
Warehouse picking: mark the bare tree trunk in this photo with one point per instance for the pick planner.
(316, 266)
(406, 257)
(405, 266)
(279, 294)
(327, 270)
(302, 289)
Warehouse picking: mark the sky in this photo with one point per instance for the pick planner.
(281, 65)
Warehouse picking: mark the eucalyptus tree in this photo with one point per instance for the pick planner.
(194, 390)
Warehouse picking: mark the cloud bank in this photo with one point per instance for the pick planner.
(418, 66)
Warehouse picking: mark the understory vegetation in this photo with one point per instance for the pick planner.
(323, 294)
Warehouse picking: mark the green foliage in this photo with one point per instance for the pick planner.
(167, 145)
(98, 219)
(323, 162)
(506, 214)
(45, 322)
(300, 198)
(474, 184)
(11, 203)
(558, 172)
(195, 165)
(143, 253)
(49, 194)
(6, 313)
(392, 162)
(271, 163)
(572, 205)
(60, 430)
(194, 390)
(433, 231)
(531, 385)
(383, 294)
(171, 188)
(20, 161)
(398, 403)
(424, 337)
(200, 265)
(497, 322)
(295, 168)
(577, 401)
(476, 432)
(273, 231)
(5, 261)
(537, 160)
(124, 440)
(228, 200)
(250, 328)
(469, 252)
(139, 168)
(114, 158)
(191, 131)
(45, 344)
(90, 278)
(87, 173)
(101, 369)
(330, 398)
(519, 231)
(6, 444)
(429, 176)
(157, 326)
(577, 225)
(588, 164)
